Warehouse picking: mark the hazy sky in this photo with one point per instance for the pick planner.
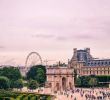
(53, 28)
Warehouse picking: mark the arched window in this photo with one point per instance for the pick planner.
(91, 63)
(57, 86)
(98, 63)
(105, 63)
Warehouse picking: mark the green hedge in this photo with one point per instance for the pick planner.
(6, 98)
(4, 93)
(10, 95)
(103, 78)
(83, 81)
(20, 97)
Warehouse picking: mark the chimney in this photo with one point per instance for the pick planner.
(75, 53)
(74, 50)
(88, 50)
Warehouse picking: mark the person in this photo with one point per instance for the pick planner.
(71, 96)
(74, 98)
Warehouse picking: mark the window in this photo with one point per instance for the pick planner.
(93, 72)
(90, 72)
(91, 63)
(97, 69)
(104, 72)
(97, 72)
(105, 63)
(101, 69)
(108, 72)
(100, 72)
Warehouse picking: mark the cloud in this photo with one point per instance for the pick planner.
(45, 36)
(84, 36)
(74, 37)
(62, 38)
(2, 47)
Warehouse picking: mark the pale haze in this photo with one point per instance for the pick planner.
(53, 28)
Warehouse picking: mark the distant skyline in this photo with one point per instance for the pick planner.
(53, 28)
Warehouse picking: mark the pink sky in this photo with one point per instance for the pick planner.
(53, 28)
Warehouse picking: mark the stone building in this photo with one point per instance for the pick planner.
(84, 64)
(60, 77)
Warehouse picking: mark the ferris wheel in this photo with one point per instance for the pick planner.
(32, 59)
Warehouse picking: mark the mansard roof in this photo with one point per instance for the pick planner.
(98, 62)
(86, 57)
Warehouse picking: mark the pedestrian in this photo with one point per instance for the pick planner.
(74, 98)
(71, 96)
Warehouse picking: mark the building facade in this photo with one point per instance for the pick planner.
(60, 78)
(84, 64)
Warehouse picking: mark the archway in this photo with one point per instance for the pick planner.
(57, 86)
(64, 83)
(70, 85)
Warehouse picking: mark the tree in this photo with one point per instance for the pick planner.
(37, 73)
(18, 84)
(4, 82)
(93, 82)
(78, 82)
(32, 84)
(85, 80)
(40, 76)
(1, 71)
(12, 73)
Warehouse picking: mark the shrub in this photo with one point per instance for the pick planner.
(4, 82)
(18, 84)
(32, 84)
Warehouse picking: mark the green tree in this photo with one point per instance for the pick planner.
(78, 82)
(85, 80)
(40, 76)
(1, 71)
(18, 84)
(4, 82)
(32, 84)
(37, 73)
(12, 73)
(93, 82)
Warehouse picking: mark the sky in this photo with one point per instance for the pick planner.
(53, 28)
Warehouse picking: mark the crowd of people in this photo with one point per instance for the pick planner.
(78, 93)
(85, 94)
